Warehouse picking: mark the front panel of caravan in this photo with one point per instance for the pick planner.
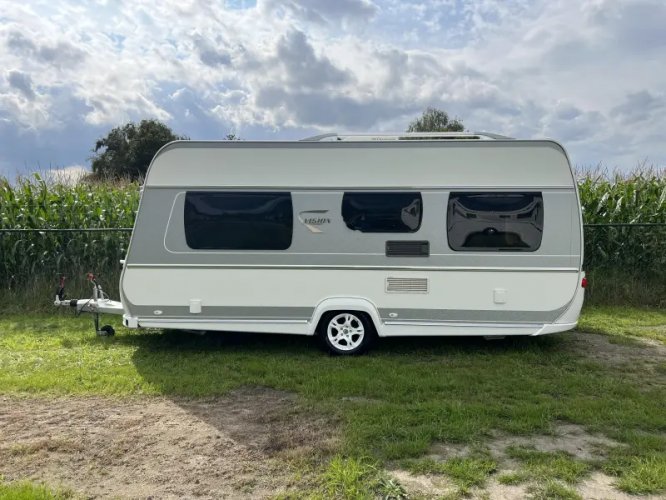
(279, 290)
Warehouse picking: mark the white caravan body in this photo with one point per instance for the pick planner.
(445, 235)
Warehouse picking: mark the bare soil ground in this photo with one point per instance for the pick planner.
(237, 446)
(603, 349)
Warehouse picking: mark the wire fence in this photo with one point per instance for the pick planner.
(639, 247)
(29, 254)
(626, 262)
(636, 250)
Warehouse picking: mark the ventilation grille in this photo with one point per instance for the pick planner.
(407, 285)
(407, 248)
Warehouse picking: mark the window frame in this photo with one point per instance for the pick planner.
(495, 250)
(288, 194)
(346, 194)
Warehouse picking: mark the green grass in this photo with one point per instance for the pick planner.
(626, 286)
(644, 475)
(464, 472)
(512, 478)
(625, 322)
(25, 490)
(553, 490)
(548, 466)
(355, 478)
(549, 474)
(392, 404)
(639, 467)
(349, 478)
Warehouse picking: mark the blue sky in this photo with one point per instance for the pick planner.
(589, 73)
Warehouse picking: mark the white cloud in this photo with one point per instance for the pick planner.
(68, 175)
(581, 72)
(327, 12)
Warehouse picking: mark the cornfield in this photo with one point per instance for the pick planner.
(31, 262)
(626, 264)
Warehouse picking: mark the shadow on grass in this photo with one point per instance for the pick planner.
(401, 389)
(239, 343)
(394, 402)
(186, 363)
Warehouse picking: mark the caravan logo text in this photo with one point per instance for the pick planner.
(314, 219)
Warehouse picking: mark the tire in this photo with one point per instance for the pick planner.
(346, 333)
(107, 331)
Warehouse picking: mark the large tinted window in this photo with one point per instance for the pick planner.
(238, 221)
(383, 212)
(487, 222)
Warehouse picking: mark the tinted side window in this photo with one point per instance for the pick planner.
(396, 212)
(489, 222)
(238, 220)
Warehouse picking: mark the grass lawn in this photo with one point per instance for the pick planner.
(625, 323)
(27, 491)
(395, 403)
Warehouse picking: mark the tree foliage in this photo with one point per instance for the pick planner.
(127, 150)
(435, 120)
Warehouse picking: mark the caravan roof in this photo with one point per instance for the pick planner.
(369, 161)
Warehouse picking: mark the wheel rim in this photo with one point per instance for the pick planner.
(345, 332)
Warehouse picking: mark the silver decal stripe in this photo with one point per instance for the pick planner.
(226, 312)
(476, 316)
(169, 320)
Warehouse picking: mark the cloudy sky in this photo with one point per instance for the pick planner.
(589, 73)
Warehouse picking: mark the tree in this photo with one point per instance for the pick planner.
(435, 120)
(127, 150)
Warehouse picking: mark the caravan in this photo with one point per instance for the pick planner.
(351, 237)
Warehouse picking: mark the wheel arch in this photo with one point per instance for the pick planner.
(358, 304)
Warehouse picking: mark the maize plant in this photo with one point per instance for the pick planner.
(617, 258)
(639, 198)
(33, 203)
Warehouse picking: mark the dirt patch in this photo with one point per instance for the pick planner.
(599, 486)
(600, 348)
(570, 438)
(445, 451)
(227, 447)
(497, 491)
(429, 486)
(422, 485)
(642, 359)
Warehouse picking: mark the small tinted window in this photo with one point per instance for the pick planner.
(489, 222)
(383, 212)
(238, 220)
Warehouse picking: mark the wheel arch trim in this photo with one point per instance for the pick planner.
(359, 304)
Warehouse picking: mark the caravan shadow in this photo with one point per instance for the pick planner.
(240, 342)
(274, 397)
(183, 363)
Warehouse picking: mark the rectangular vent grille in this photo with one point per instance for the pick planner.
(407, 285)
(407, 248)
